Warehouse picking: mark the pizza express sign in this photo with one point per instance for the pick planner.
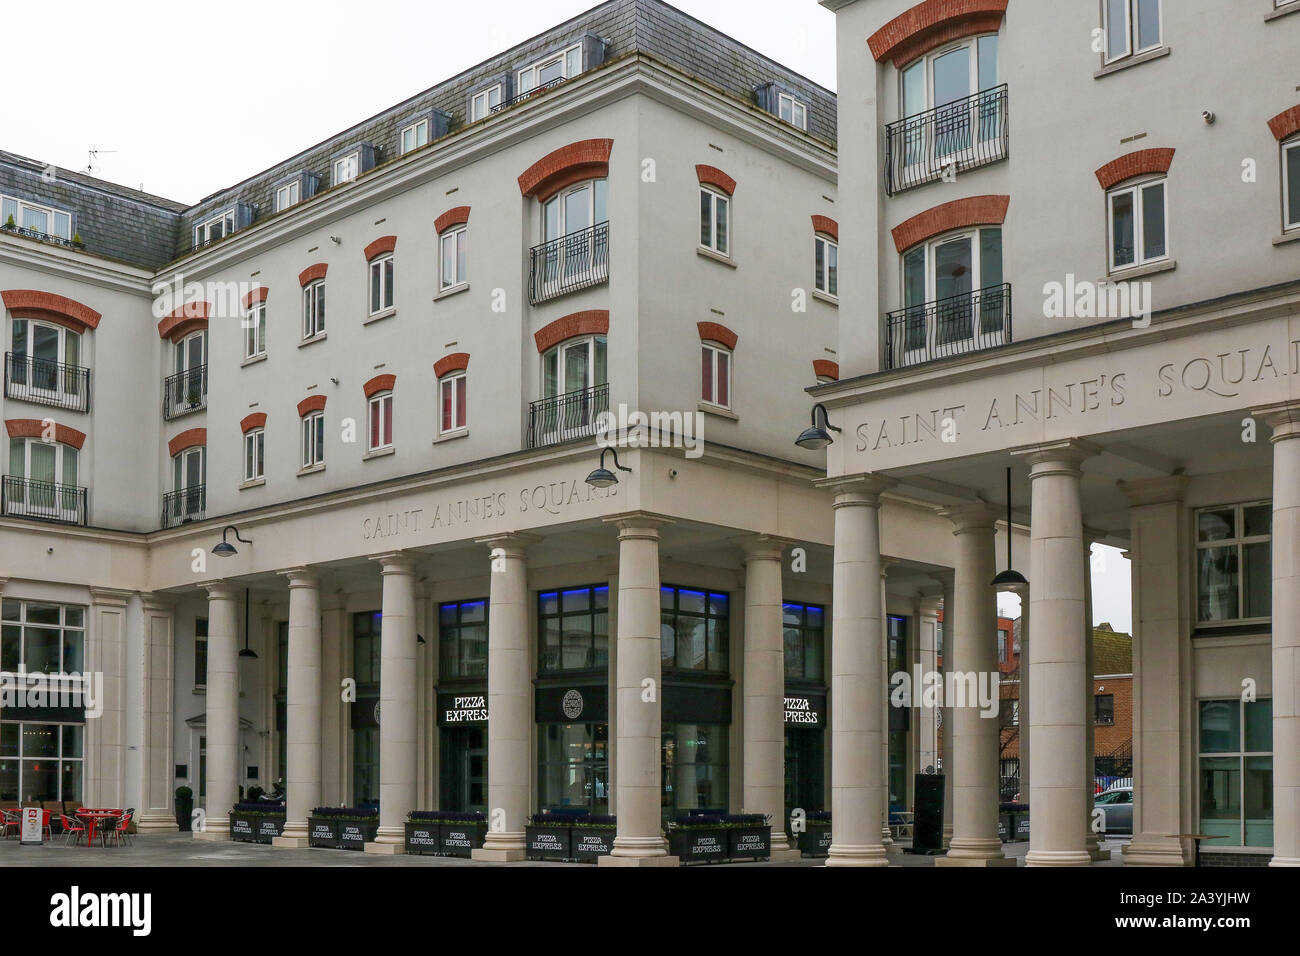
(464, 708)
(809, 711)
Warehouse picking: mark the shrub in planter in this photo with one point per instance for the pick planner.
(256, 822)
(342, 828)
(592, 837)
(445, 833)
(815, 840)
(548, 836)
(712, 838)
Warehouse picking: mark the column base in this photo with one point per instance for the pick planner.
(1284, 861)
(290, 842)
(1097, 854)
(857, 855)
(1151, 850)
(385, 849)
(949, 860)
(1058, 858)
(612, 860)
(157, 823)
(947, 835)
(486, 855)
(212, 835)
(784, 855)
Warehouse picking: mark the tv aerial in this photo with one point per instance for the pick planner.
(92, 155)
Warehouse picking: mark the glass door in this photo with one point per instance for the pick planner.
(190, 387)
(952, 87)
(570, 217)
(953, 285)
(188, 482)
(569, 373)
(463, 771)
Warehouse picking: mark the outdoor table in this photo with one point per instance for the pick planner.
(92, 818)
(1196, 839)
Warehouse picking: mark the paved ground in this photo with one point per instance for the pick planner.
(181, 849)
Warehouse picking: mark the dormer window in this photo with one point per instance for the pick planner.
(793, 112)
(484, 103)
(349, 163)
(346, 168)
(218, 227)
(559, 66)
(415, 135)
(287, 195)
(36, 218)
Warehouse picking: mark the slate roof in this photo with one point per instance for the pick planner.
(149, 231)
(1112, 652)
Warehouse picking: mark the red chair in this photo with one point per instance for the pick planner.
(71, 828)
(13, 823)
(119, 833)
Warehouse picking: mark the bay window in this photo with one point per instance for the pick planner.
(715, 375)
(1234, 563)
(381, 421)
(313, 309)
(381, 284)
(451, 390)
(1138, 224)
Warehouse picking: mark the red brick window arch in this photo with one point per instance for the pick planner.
(44, 471)
(716, 192)
(452, 374)
(254, 429)
(379, 398)
(586, 159)
(1285, 126)
(311, 413)
(717, 345)
(1137, 207)
(931, 24)
(382, 274)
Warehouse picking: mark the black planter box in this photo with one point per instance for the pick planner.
(1022, 827)
(749, 843)
(815, 841)
(548, 843)
(323, 832)
(268, 828)
(355, 836)
(461, 839)
(243, 828)
(422, 839)
(589, 843)
(702, 845)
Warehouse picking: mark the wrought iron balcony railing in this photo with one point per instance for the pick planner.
(44, 500)
(957, 136)
(185, 392)
(956, 325)
(570, 263)
(562, 418)
(32, 379)
(43, 236)
(184, 506)
(529, 94)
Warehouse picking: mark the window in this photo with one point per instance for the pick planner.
(40, 762)
(462, 640)
(573, 767)
(954, 107)
(792, 111)
(947, 284)
(1236, 764)
(553, 69)
(1291, 183)
(415, 135)
(42, 638)
(254, 454)
(715, 221)
(1103, 713)
(826, 262)
(45, 480)
(1138, 224)
(381, 284)
(313, 439)
(451, 389)
(575, 209)
(1130, 27)
(346, 168)
(575, 390)
(715, 375)
(451, 252)
(189, 472)
(694, 629)
(1234, 563)
(484, 102)
(805, 643)
(217, 227)
(1002, 646)
(367, 635)
(693, 761)
(574, 629)
(381, 421)
(255, 331)
(200, 652)
(36, 218)
(313, 309)
(287, 195)
(46, 359)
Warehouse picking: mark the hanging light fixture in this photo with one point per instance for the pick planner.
(247, 651)
(602, 477)
(223, 548)
(1010, 579)
(816, 437)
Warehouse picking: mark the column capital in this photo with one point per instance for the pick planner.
(395, 562)
(973, 517)
(763, 547)
(154, 601)
(930, 599)
(1168, 489)
(302, 577)
(856, 490)
(638, 524)
(1064, 455)
(218, 590)
(111, 597)
(1283, 418)
(514, 544)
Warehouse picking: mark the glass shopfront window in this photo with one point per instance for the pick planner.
(804, 642)
(693, 629)
(694, 768)
(899, 717)
(39, 638)
(41, 761)
(573, 629)
(1234, 563)
(462, 769)
(805, 707)
(1236, 771)
(366, 635)
(462, 640)
(282, 704)
(573, 767)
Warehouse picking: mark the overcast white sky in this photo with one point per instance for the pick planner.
(194, 97)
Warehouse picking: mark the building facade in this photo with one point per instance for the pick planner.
(1146, 394)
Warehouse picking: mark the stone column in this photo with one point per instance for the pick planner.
(886, 835)
(975, 840)
(334, 712)
(927, 729)
(1058, 834)
(156, 809)
(1090, 708)
(857, 678)
(638, 788)
(1022, 729)
(764, 690)
(1163, 757)
(222, 719)
(945, 713)
(1285, 422)
(303, 707)
(509, 699)
(397, 740)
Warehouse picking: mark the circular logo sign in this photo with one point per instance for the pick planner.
(571, 704)
(376, 712)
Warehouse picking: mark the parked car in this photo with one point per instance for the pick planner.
(1116, 805)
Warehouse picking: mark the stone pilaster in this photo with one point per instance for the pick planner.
(222, 719)
(303, 707)
(157, 811)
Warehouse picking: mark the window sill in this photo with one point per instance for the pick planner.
(1137, 272)
(318, 337)
(380, 316)
(1282, 12)
(311, 469)
(1291, 235)
(1136, 60)
(452, 435)
(451, 290)
(826, 297)
(255, 483)
(253, 360)
(706, 253)
(710, 409)
(378, 453)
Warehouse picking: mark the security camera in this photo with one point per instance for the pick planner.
(49, 550)
(672, 472)
(1208, 116)
(337, 240)
(334, 380)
